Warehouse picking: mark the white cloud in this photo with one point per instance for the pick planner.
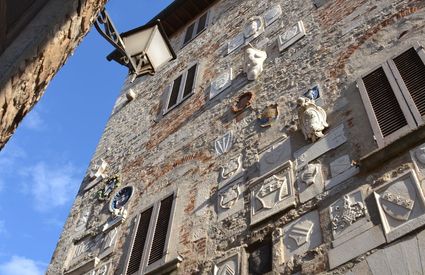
(33, 121)
(21, 266)
(51, 186)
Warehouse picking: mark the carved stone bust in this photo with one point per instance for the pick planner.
(254, 60)
(311, 119)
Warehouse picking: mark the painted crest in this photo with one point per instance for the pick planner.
(268, 116)
(223, 144)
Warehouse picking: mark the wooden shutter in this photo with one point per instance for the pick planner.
(386, 108)
(409, 71)
(161, 230)
(139, 242)
(175, 92)
(202, 23)
(190, 80)
(189, 33)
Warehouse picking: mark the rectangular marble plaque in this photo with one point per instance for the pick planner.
(333, 139)
(235, 43)
(221, 83)
(291, 36)
(272, 193)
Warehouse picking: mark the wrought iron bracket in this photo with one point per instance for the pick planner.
(110, 33)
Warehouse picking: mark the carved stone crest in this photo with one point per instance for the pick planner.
(230, 199)
(222, 82)
(223, 144)
(311, 119)
(96, 174)
(401, 205)
(420, 154)
(273, 190)
(301, 232)
(310, 181)
(254, 27)
(272, 193)
(254, 60)
(229, 266)
(300, 236)
(346, 212)
(232, 169)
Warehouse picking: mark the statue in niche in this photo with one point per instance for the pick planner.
(311, 119)
(254, 60)
(254, 27)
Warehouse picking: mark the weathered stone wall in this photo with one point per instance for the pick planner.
(34, 57)
(157, 153)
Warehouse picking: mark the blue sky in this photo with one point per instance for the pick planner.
(43, 164)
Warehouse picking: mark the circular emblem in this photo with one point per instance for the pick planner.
(121, 197)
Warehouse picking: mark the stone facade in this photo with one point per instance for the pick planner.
(32, 59)
(248, 199)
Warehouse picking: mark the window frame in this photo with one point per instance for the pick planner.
(180, 97)
(144, 267)
(195, 27)
(404, 99)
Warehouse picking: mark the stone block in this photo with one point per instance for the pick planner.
(340, 165)
(341, 177)
(401, 205)
(377, 263)
(310, 182)
(291, 36)
(235, 43)
(356, 246)
(274, 155)
(418, 158)
(301, 235)
(399, 258)
(333, 139)
(361, 268)
(272, 14)
(230, 199)
(272, 193)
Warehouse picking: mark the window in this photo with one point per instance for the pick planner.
(260, 260)
(150, 239)
(196, 28)
(181, 88)
(394, 95)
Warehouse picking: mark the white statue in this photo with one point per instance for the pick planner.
(254, 60)
(311, 119)
(98, 169)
